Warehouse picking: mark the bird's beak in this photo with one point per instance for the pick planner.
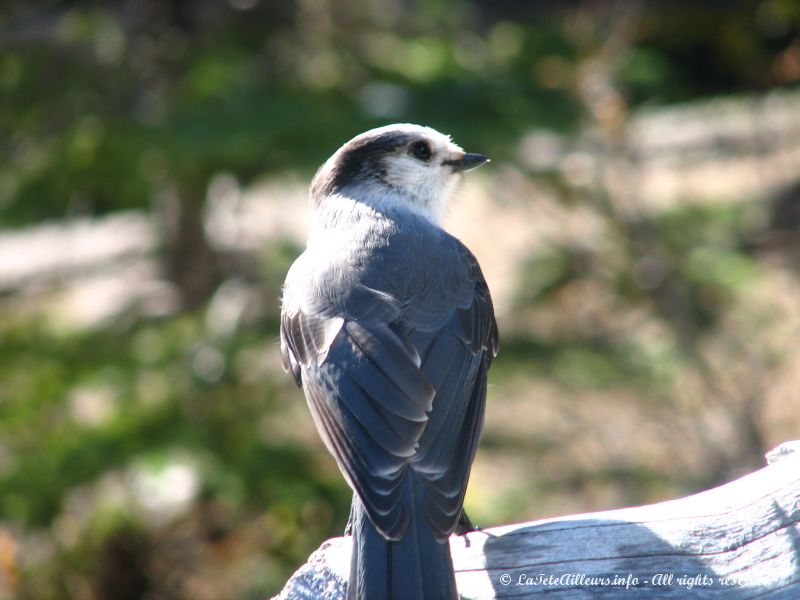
(466, 162)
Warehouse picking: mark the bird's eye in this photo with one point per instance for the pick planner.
(420, 150)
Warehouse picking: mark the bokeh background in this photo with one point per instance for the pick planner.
(639, 226)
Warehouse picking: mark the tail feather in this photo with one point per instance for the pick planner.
(417, 567)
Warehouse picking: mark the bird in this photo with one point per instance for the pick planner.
(387, 325)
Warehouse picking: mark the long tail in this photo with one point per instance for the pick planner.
(417, 567)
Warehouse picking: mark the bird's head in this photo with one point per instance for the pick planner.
(411, 165)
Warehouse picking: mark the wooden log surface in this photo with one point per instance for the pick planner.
(737, 541)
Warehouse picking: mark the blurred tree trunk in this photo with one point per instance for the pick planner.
(189, 262)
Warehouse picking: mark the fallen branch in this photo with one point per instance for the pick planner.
(737, 541)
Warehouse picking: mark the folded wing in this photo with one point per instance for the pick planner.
(393, 397)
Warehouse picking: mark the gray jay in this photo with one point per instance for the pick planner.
(387, 324)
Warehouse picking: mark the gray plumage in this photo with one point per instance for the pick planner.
(388, 326)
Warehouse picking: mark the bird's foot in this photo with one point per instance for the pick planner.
(464, 525)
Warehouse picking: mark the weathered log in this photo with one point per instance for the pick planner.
(740, 540)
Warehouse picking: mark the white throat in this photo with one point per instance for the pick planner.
(385, 198)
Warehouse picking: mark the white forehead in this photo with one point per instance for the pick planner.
(439, 140)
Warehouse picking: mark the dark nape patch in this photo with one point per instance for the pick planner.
(359, 159)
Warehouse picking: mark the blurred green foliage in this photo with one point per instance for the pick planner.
(107, 108)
